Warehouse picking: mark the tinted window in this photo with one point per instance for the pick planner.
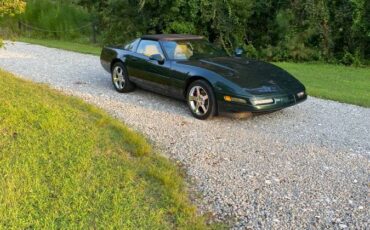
(191, 49)
(149, 47)
(132, 45)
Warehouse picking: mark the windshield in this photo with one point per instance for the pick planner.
(191, 49)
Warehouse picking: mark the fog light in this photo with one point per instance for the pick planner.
(235, 99)
(300, 94)
(262, 101)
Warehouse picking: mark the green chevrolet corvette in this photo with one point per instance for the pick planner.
(189, 68)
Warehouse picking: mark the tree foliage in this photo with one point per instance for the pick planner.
(275, 30)
(11, 8)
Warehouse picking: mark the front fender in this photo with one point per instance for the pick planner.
(220, 84)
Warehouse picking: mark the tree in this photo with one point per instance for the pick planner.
(11, 8)
(297, 30)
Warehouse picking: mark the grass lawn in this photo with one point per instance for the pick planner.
(65, 164)
(66, 45)
(334, 82)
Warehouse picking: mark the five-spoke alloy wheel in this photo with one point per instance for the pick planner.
(120, 79)
(201, 100)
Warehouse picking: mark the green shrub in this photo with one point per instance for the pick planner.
(350, 59)
(357, 62)
(250, 51)
(8, 27)
(55, 19)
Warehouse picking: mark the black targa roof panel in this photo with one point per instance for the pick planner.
(172, 37)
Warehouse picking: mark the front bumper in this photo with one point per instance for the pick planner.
(280, 102)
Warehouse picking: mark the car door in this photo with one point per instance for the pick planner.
(147, 73)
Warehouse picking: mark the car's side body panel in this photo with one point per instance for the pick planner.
(181, 75)
(144, 72)
(148, 74)
(110, 54)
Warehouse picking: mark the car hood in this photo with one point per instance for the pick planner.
(256, 77)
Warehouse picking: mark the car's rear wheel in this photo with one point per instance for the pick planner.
(201, 100)
(120, 79)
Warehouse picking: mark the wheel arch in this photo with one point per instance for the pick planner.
(114, 61)
(193, 79)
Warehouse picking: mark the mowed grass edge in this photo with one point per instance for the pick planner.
(328, 81)
(65, 45)
(67, 164)
(334, 82)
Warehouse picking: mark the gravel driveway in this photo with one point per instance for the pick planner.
(303, 167)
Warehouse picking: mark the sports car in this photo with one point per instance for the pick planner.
(190, 68)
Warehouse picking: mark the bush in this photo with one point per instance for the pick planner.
(55, 19)
(347, 58)
(251, 51)
(8, 27)
(350, 59)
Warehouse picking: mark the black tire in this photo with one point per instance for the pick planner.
(197, 104)
(120, 79)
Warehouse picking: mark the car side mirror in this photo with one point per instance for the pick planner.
(239, 52)
(157, 57)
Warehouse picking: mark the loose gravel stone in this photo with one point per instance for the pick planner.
(296, 168)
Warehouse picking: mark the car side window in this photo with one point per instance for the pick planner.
(132, 45)
(181, 50)
(149, 47)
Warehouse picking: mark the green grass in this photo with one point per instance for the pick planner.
(334, 82)
(66, 45)
(65, 164)
(328, 81)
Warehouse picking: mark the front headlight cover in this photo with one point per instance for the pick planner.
(301, 94)
(265, 101)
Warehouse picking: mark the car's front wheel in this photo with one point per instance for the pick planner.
(201, 100)
(120, 79)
